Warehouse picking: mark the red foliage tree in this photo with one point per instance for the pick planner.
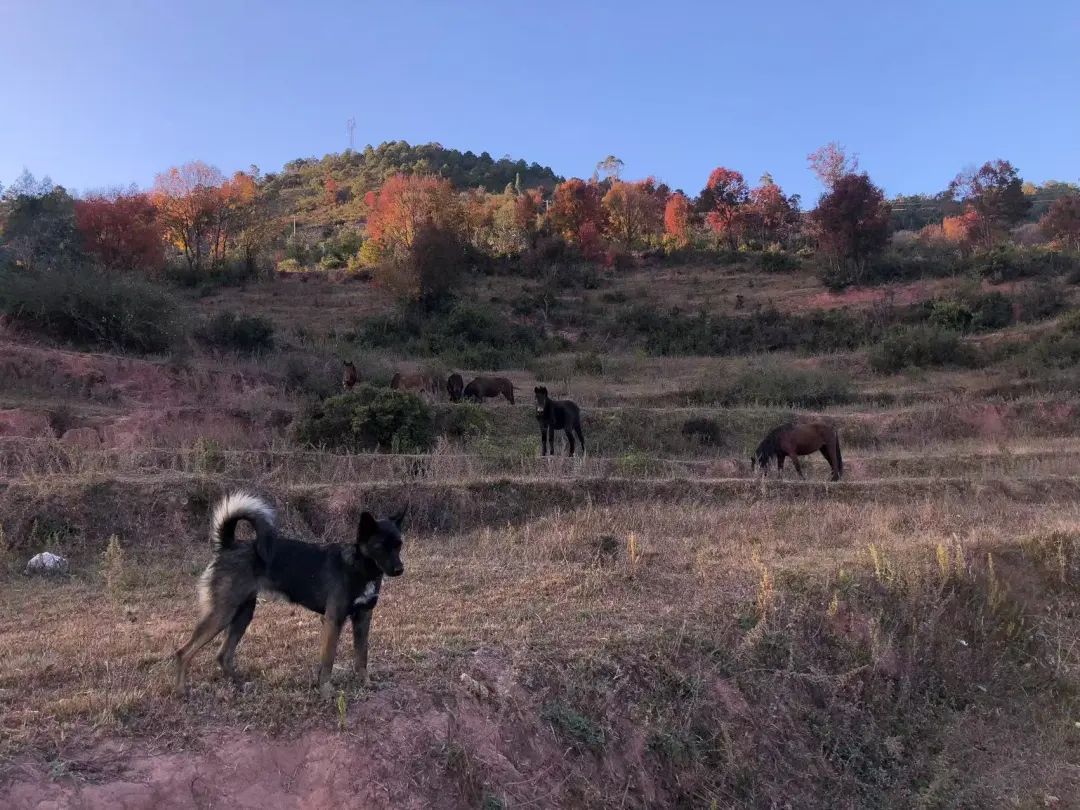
(996, 193)
(771, 215)
(831, 162)
(121, 231)
(726, 195)
(677, 220)
(1062, 222)
(575, 204)
(852, 222)
(330, 190)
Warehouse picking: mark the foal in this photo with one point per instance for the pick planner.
(557, 414)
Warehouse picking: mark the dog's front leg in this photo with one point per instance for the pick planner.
(361, 625)
(330, 635)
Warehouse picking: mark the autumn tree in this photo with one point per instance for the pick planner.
(723, 201)
(831, 162)
(771, 215)
(634, 211)
(1061, 222)
(677, 213)
(962, 231)
(330, 190)
(201, 211)
(407, 202)
(121, 231)
(995, 192)
(852, 223)
(576, 211)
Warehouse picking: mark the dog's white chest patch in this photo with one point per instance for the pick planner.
(370, 594)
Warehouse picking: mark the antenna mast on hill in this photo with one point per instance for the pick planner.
(350, 125)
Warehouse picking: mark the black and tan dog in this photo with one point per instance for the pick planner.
(340, 582)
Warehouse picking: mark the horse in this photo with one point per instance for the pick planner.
(349, 377)
(794, 440)
(482, 388)
(557, 414)
(416, 382)
(454, 386)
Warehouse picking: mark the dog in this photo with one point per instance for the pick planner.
(338, 581)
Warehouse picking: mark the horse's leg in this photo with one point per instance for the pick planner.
(581, 439)
(551, 439)
(569, 441)
(827, 452)
(798, 466)
(780, 458)
(543, 440)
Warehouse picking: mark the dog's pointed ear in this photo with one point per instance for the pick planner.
(399, 518)
(367, 528)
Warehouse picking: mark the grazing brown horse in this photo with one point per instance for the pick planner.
(482, 388)
(801, 439)
(416, 382)
(455, 386)
(349, 377)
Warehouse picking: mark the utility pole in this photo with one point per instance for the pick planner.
(350, 126)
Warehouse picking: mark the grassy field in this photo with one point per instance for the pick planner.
(649, 625)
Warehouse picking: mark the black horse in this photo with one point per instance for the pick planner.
(557, 414)
(454, 387)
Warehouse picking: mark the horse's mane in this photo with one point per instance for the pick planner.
(771, 441)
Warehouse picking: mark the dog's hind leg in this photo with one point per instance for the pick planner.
(330, 635)
(237, 627)
(361, 626)
(208, 627)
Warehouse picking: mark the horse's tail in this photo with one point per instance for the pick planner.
(839, 456)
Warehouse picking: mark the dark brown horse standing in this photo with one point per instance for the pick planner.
(801, 439)
(349, 377)
(482, 388)
(455, 386)
(557, 414)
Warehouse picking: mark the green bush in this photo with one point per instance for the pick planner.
(369, 418)
(777, 262)
(951, 315)
(242, 333)
(468, 335)
(992, 311)
(920, 347)
(462, 421)
(1070, 322)
(704, 430)
(893, 266)
(1010, 263)
(89, 308)
(1040, 301)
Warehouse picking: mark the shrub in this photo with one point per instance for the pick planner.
(331, 262)
(289, 266)
(920, 347)
(992, 311)
(242, 333)
(1070, 322)
(369, 419)
(703, 430)
(89, 308)
(951, 315)
(891, 267)
(1039, 301)
(773, 261)
(463, 421)
(1009, 263)
(1056, 350)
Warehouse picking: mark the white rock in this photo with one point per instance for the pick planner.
(47, 563)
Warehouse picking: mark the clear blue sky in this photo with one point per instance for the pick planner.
(107, 93)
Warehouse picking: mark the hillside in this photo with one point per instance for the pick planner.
(650, 625)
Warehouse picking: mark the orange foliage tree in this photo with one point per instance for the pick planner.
(405, 203)
(963, 230)
(201, 210)
(121, 231)
(677, 220)
(634, 211)
(577, 212)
